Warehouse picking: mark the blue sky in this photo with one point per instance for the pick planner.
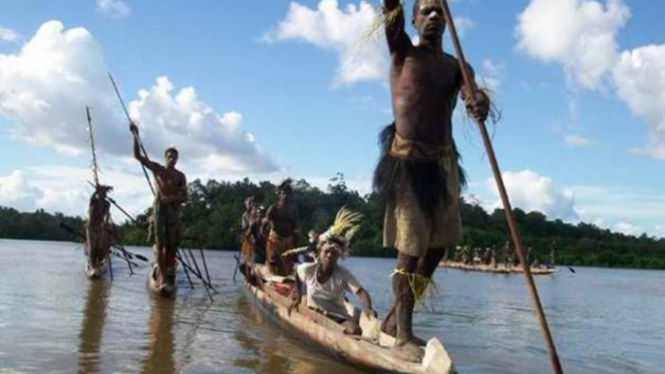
(277, 88)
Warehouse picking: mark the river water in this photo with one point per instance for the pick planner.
(54, 320)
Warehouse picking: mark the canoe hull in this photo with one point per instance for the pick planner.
(164, 290)
(97, 272)
(371, 351)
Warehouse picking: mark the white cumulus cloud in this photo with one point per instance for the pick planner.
(17, 192)
(113, 8)
(45, 87)
(640, 80)
(46, 187)
(349, 31)
(8, 35)
(341, 30)
(531, 191)
(579, 34)
(202, 135)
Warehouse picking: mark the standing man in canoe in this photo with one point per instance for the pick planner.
(171, 194)
(282, 218)
(418, 173)
(247, 240)
(253, 245)
(98, 228)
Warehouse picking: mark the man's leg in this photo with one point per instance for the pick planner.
(404, 299)
(161, 263)
(428, 263)
(170, 263)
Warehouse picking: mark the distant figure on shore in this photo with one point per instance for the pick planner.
(552, 263)
(418, 173)
(282, 218)
(507, 254)
(98, 229)
(171, 186)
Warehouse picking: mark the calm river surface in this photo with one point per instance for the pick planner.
(54, 320)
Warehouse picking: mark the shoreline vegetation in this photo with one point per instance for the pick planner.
(214, 209)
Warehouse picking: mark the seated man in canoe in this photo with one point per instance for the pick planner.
(282, 218)
(98, 228)
(326, 281)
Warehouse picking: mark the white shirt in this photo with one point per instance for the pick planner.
(328, 296)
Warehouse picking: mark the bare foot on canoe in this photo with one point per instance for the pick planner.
(389, 327)
(409, 351)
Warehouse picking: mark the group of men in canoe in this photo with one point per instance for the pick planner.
(418, 177)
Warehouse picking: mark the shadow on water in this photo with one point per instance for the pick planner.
(159, 358)
(92, 326)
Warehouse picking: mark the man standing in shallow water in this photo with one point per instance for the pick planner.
(418, 173)
(171, 188)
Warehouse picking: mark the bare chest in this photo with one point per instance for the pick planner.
(169, 180)
(427, 75)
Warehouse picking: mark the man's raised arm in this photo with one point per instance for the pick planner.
(398, 40)
(143, 159)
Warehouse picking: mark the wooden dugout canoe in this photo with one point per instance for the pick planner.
(372, 350)
(498, 269)
(97, 272)
(165, 290)
(101, 268)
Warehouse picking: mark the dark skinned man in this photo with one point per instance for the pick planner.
(98, 227)
(418, 173)
(282, 218)
(171, 186)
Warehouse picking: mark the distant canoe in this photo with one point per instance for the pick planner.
(372, 350)
(497, 270)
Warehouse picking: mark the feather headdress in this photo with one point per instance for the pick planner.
(346, 225)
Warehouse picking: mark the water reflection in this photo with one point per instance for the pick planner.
(273, 350)
(159, 358)
(92, 326)
(265, 358)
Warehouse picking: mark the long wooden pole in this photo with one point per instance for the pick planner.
(92, 146)
(122, 102)
(470, 88)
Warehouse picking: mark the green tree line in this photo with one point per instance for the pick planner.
(214, 210)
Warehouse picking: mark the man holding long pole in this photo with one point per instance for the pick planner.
(424, 82)
(418, 173)
(171, 186)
